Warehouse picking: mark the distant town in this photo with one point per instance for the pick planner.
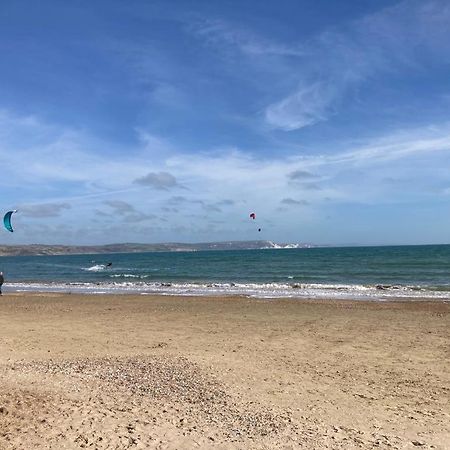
(41, 249)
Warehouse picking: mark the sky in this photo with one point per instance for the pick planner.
(171, 121)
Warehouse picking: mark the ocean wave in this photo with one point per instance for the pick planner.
(95, 268)
(256, 290)
(129, 275)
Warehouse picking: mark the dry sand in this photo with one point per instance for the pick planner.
(115, 372)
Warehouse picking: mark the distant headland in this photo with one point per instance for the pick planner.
(42, 249)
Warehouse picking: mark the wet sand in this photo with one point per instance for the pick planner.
(129, 371)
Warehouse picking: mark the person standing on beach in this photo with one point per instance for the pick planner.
(2, 279)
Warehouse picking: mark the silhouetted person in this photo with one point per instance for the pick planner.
(2, 279)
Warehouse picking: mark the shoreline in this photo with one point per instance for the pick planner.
(396, 302)
(296, 291)
(118, 371)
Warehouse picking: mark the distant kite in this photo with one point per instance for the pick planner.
(7, 220)
(253, 216)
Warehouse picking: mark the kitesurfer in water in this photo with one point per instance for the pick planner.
(253, 216)
(2, 279)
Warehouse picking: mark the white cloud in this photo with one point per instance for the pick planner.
(120, 206)
(307, 106)
(294, 202)
(222, 33)
(44, 210)
(38, 153)
(158, 180)
(87, 181)
(340, 60)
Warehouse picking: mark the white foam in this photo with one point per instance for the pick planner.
(95, 268)
(256, 290)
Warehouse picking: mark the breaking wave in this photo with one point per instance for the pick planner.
(256, 290)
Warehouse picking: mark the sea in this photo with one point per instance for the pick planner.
(362, 273)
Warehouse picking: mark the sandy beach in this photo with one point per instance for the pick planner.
(126, 371)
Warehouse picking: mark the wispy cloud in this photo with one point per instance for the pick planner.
(226, 202)
(44, 210)
(158, 180)
(291, 201)
(307, 106)
(127, 211)
(338, 61)
(309, 186)
(83, 163)
(396, 146)
(120, 206)
(301, 175)
(225, 183)
(177, 200)
(211, 207)
(220, 32)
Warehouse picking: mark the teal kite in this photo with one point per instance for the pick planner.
(7, 220)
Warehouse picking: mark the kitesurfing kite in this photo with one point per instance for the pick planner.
(253, 216)
(7, 220)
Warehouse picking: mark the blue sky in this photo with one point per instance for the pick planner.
(156, 121)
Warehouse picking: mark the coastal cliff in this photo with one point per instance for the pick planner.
(42, 249)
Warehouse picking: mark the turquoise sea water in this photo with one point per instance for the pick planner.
(416, 272)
